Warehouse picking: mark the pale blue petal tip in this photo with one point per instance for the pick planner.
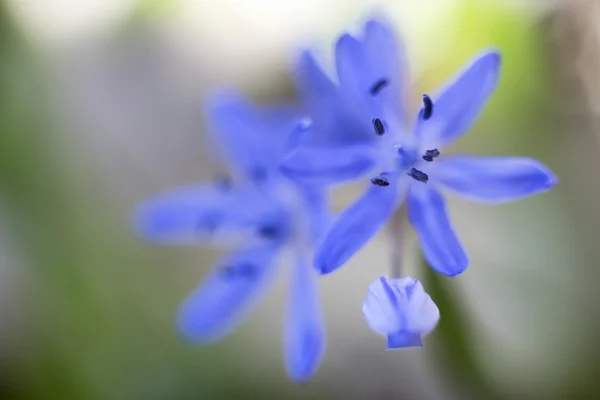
(302, 368)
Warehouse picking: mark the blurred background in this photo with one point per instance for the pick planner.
(100, 107)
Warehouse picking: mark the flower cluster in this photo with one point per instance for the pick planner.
(351, 127)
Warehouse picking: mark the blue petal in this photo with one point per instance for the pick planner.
(305, 330)
(314, 84)
(317, 166)
(317, 205)
(385, 59)
(494, 179)
(400, 310)
(298, 135)
(361, 64)
(227, 294)
(351, 70)
(252, 139)
(427, 214)
(457, 107)
(334, 122)
(356, 225)
(381, 308)
(184, 215)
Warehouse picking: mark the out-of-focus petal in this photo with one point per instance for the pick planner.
(457, 107)
(317, 205)
(318, 166)
(494, 179)
(253, 139)
(182, 216)
(400, 310)
(305, 341)
(227, 294)
(427, 214)
(313, 83)
(370, 80)
(356, 225)
(334, 122)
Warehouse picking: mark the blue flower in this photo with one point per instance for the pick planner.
(260, 215)
(400, 310)
(403, 163)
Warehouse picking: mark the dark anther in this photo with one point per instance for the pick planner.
(418, 175)
(380, 84)
(427, 107)
(244, 270)
(431, 154)
(380, 181)
(223, 183)
(270, 231)
(378, 125)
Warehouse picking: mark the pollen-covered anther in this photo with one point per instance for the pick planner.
(378, 86)
(380, 181)
(431, 154)
(378, 125)
(418, 175)
(427, 110)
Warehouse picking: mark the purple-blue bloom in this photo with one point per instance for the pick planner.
(260, 215)
(366, 110)
(400, 310)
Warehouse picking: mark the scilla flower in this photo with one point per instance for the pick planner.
(260, 216)
(400, 310)
(403, 163)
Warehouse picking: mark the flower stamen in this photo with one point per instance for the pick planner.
(431, 154)
(427, 110)
(378, 86)
(380, 181)
(378, 125)
(418, 175)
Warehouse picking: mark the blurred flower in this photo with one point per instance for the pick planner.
(400, 310)
(367, 112)
(260, 216)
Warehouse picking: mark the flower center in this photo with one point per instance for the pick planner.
(407, 156)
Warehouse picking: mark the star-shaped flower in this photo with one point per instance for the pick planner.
(366, 110)
(260, 216)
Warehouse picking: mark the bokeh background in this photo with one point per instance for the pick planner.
(100, 107)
